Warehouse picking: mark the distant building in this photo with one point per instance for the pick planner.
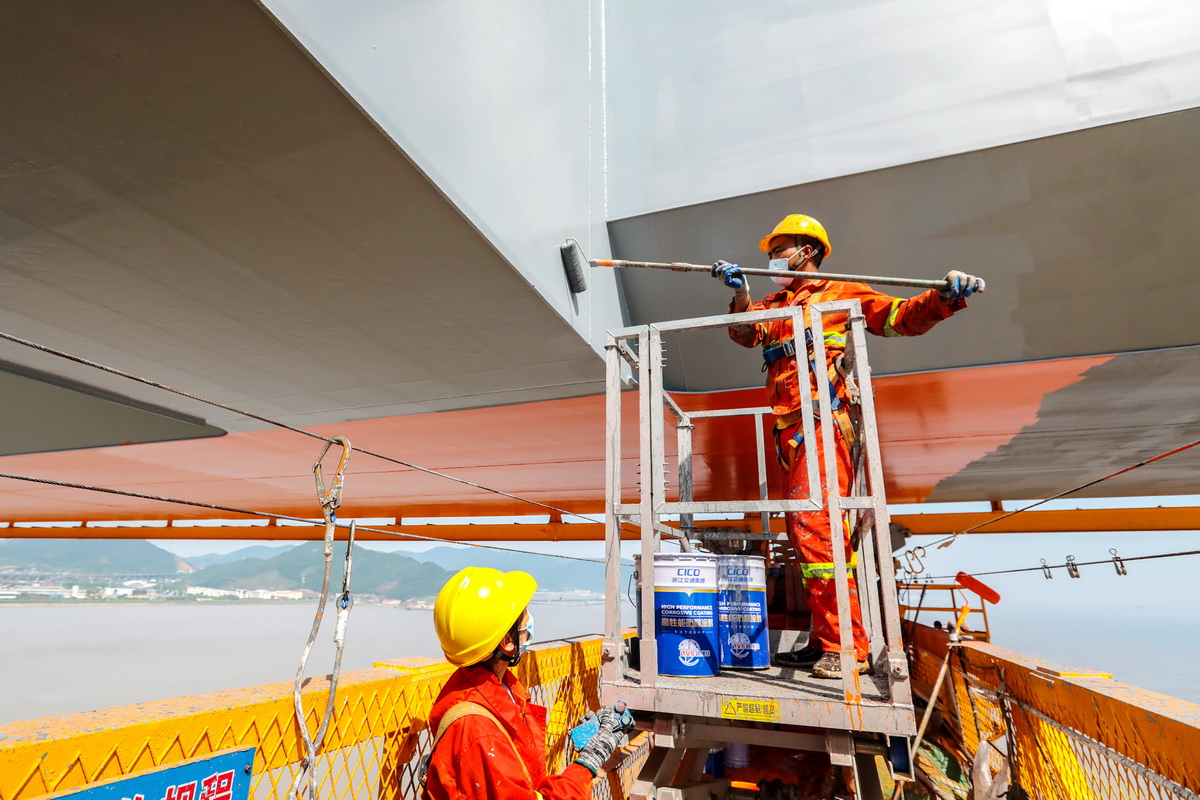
(205, 591)
(139, 584)
(47, 590)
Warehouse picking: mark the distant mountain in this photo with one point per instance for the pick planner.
(87, 556)
(260, 551)
(554, 574)
(387, 574)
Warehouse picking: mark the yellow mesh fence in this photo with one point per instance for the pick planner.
(376, 737)
(1065, 733)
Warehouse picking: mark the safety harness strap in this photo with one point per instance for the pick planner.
(782, 350)
(468, 709)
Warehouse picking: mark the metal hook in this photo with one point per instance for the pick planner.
(1072, 568)
(1046, 570)
(331, 499)
(915, 563)
(1118, 562)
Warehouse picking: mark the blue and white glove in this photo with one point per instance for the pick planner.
(599, 736)
(961, 286)
(731, 275)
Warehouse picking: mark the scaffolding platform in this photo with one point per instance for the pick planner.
(782, 695)
(852, 717)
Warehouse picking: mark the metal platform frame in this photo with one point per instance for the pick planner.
(843, 715)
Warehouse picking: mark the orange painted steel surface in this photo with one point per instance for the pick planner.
(932, 425)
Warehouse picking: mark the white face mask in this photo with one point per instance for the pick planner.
(781, 264)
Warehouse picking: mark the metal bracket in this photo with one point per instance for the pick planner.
(840, 746)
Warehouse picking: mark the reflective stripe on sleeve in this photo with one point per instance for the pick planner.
(889, 327)
(835, 340)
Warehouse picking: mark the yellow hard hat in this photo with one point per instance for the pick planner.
(798, 225)
(476, 608)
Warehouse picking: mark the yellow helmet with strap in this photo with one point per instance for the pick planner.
(798, 225)
(476, 608)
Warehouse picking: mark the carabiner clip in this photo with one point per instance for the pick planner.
(1118, 563)
(1072, 567)
(1046, 570)
(332, 498)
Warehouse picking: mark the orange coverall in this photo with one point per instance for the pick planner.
(474, 760)
(810, 532)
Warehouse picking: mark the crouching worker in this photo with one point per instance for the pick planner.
(490, 741)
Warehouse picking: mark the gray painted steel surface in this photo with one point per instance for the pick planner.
(184, 194)
(711, 100)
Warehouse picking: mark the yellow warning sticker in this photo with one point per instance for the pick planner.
(750, 708)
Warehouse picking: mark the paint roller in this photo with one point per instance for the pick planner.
(978, 587)
(574, 263)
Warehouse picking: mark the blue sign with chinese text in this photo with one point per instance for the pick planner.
(224, 776)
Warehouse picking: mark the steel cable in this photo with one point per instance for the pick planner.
(1076, 563)
(289, 518)
(1078, 488)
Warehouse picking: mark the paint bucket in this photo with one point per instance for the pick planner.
(742, 612)
(685, 613)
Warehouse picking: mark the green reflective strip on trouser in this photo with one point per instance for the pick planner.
(825, 570)
(889, 327)
(835, 340)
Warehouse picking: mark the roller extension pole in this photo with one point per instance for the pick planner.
(777, 273)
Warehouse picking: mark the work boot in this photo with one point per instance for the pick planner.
(830, 666)
(805, 657)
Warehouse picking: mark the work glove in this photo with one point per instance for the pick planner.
(731, 275)
(962, 286)
(610, 725)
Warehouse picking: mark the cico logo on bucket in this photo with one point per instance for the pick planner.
(690, 653)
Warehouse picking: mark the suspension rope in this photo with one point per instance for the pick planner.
(289, 518)
(330, 500)
(952, 537)
(1074, 563)
(267, 420)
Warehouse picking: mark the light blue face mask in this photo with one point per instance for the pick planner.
(529, 639)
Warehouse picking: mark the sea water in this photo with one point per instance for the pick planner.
(59, 659)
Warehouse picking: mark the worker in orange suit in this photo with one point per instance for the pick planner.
(799, 244)
(490, 741)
